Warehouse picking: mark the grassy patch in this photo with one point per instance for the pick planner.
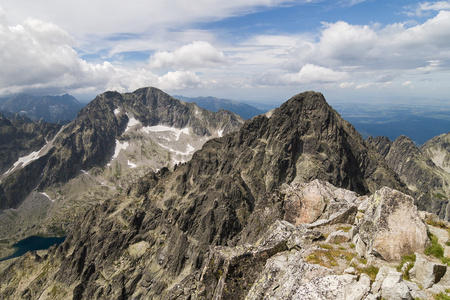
(328, 257)
(443, 296)
(439, 223)
(372, 271)
(325, 246)
(345, 228)
(407, 258)
(436, 250)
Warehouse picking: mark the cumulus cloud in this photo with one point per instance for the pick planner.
(39, 56)
(196, 54)
(178, 80)
(310, 73)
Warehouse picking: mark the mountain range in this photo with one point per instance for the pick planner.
(291, 204)
(52, 109)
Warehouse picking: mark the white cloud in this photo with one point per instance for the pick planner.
(310, 73)
(38, 57)
(196, 54)
(112, 16)
(425, 7)
(178, 80)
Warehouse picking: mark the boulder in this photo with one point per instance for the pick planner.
(283, 275)
(447, 251)
(338, 237)
(441, 234)
(391, 226)
(393, 287)
(426, 273)
(381, 275)
(320, 203)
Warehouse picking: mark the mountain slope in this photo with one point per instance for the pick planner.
(50, 108)
(438, 150)
(415, 166)
(155, 240)
(98, 132)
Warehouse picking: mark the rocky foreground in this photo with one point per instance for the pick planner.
(294, 205)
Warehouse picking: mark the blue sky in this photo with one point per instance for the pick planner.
(255, 50)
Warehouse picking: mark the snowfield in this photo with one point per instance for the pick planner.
(161, 128)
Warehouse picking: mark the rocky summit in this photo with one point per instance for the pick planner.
(293, 205)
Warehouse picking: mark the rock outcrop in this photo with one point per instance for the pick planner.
(391, 227)
(429, 183)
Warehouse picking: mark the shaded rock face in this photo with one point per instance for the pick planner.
(391, 227)
(429, 183)
(90, 140)
(157, 241)
(19, 136)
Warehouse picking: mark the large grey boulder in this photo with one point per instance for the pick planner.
(391, 227)
(393, 287)
(425, 272)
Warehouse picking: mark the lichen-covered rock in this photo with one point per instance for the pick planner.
(283, 275)
(337, 237)
(391, 226)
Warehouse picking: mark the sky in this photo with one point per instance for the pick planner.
(254, 50)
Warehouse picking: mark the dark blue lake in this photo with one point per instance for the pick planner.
(34, 243)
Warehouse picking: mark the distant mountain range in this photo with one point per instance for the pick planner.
(214, 104)
(54, 109)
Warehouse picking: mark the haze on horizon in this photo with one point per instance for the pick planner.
(254, 50)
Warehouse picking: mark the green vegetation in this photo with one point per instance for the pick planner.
(327, 257)
(443, 296)
(372, 271)
(439, 223)
(436, 250)
(439, 196)
(345, 228)
(407, 258)
(325, 246)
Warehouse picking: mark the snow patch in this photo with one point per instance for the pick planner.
(132, 122)
(190, 150)
(131, 164)
(119, 146)
(161, 128)
(25, 160)
(46, 195)
(220, 132)
(117, 111)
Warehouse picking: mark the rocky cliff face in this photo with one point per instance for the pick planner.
(438, 150)
(207, 229)
(429, 182)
